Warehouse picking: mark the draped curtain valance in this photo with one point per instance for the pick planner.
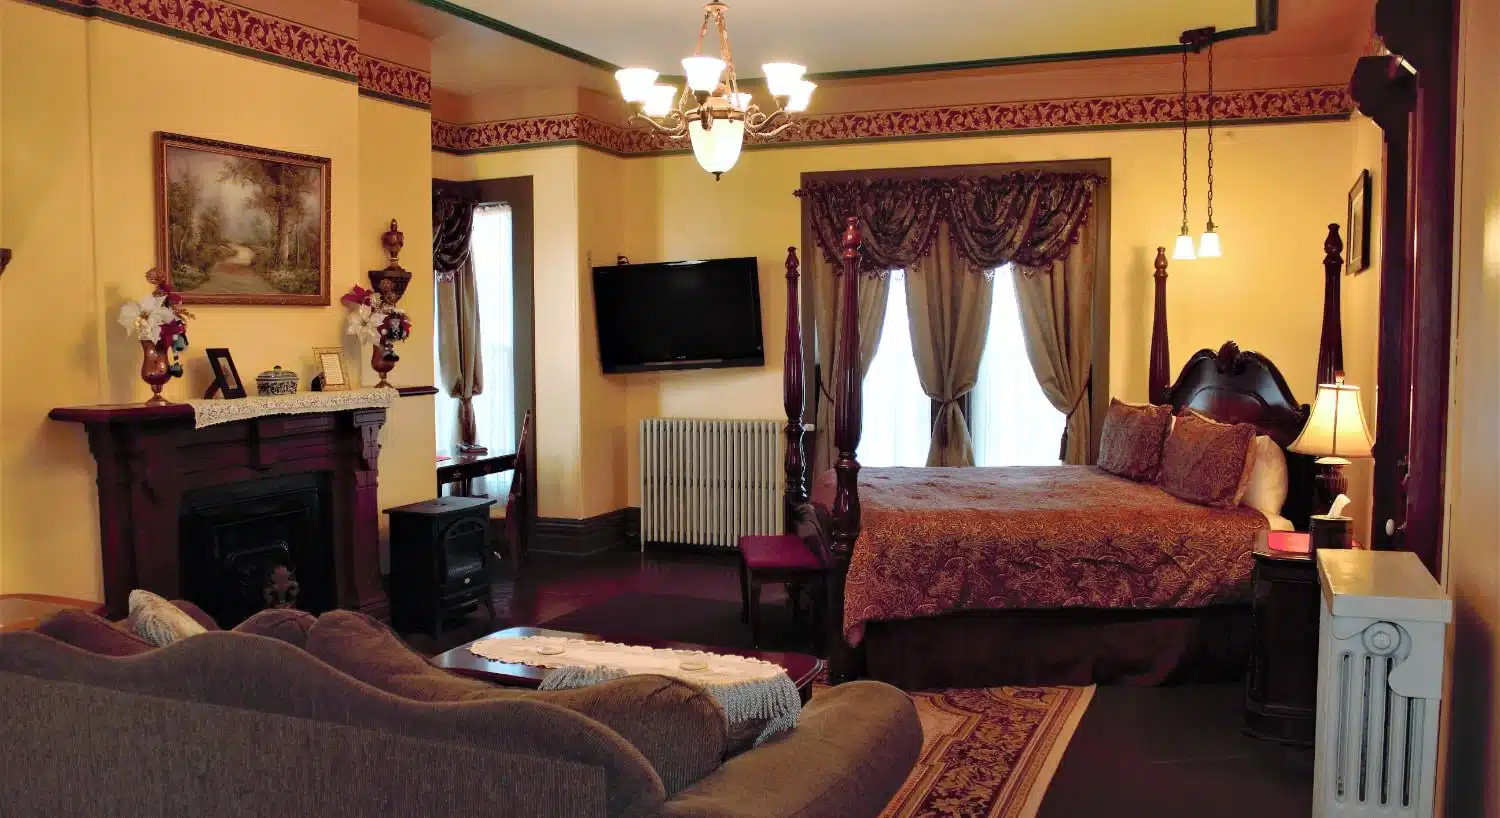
(1029, 218)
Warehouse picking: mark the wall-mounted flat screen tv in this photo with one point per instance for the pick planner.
(678, 315)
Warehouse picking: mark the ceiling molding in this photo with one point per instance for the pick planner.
(1280, 105)
(1266, 15)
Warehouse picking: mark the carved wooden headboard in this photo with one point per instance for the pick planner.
(1245, 387)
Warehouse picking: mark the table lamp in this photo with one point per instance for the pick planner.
(1335, 433)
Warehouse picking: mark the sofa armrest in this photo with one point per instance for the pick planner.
(852, 750)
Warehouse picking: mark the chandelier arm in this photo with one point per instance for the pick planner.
(768, 120)
(789, 125)
(676, 129)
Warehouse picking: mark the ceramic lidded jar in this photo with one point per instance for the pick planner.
(276, 381)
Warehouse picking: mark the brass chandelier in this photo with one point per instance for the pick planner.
(711, 111)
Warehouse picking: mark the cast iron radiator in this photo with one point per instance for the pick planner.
(709, 482)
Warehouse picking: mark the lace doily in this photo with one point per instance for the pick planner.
(749, 690)
(214, 412)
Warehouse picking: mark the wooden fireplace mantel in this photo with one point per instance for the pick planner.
(149, 456)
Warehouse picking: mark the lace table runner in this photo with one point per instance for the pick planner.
(749, 690)
(214, 412)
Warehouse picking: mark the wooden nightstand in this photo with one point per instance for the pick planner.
(1281, 687)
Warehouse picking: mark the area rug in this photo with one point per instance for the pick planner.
(988, 753)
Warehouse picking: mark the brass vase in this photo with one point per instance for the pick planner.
(383, 359)
(154, 370)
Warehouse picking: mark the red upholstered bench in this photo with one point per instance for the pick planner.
(776, 558)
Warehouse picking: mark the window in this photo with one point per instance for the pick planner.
(495, 408)
(897, 417)
(1011, 421)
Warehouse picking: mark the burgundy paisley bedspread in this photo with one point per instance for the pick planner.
(938, 540)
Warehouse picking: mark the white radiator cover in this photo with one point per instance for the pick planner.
(1382, 638)
(709, 482)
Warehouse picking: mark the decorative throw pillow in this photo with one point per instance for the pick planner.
(93, 633)
(1269, 479)
(1132, 439)
(287, 624)
(1207, 462)
(158, 621)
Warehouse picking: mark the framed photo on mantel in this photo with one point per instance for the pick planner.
(242, 225)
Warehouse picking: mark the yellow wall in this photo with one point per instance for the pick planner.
(1361, 298)
(1277, 189)
(1472, 563)
(79, 210)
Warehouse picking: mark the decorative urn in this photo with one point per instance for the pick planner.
(276, 381)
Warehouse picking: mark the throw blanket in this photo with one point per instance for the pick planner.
(938, 540)
(751, 691)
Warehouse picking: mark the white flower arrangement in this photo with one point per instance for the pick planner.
(144, 319)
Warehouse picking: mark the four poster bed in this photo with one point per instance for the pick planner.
(975, 577)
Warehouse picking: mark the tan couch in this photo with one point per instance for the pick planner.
(230, 724)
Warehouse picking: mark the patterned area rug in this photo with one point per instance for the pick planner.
(988, 753)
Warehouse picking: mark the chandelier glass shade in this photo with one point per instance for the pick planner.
(711, 111)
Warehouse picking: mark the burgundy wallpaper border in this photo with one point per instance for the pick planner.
(248, 32)
(1143, 111)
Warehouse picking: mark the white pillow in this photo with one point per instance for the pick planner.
(1267, 489)
(158, 621)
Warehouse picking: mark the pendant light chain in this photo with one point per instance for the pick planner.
(1211, 100)
(1185, 48)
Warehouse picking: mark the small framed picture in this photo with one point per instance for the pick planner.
(335, 373)
(226, 378)
(1357, 234)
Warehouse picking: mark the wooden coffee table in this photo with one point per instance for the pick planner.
(801, 667)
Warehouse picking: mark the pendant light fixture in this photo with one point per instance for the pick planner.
(1182, 249)
(1208, 243)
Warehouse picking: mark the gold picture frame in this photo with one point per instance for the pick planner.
(334, 369)
(236, 224)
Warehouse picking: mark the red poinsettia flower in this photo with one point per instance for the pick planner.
(356, 296)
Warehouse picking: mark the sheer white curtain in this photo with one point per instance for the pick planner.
(1011, 421)
(897, 419)
(495, 408)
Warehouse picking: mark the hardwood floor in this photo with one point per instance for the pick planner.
(554, 586)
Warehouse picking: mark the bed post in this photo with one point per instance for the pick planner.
(1331, 341)
(842, 658)
(1161, 357)
(792, 391)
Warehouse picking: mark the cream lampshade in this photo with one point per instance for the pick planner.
(1335, 433)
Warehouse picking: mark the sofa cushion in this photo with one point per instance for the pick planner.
(93, 633)
(287, 624)
(680, 729)
(158, 621)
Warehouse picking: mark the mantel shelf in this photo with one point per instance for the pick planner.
(141, 413)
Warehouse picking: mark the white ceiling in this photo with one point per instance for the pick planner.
(837, 35)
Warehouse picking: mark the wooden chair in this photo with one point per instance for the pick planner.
(799, 560)
(516, 512)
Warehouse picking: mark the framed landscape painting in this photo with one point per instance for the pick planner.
(242, 225)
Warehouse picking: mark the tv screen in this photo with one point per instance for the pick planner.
(678, 315)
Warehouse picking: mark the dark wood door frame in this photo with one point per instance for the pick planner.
(1412, 96)
(517, 192)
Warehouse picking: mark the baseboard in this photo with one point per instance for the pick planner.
(591, 535)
